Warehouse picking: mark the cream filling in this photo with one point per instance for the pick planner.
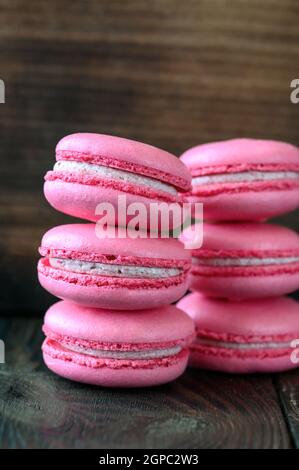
(231, 345)
(115, 270)
(143, 354)
(244, 261)
(244, 176)
(113, 174)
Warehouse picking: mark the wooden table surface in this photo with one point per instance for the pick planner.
(200, 410)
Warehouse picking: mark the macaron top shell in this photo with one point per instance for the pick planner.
(249, 237)
(251, 318)
(238, 152)
(83, 239)
(142, 326)
(130, 155)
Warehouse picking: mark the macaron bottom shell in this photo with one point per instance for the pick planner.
(81, 201)
(247, 287)
(247, 206)
(235, 365)
(113, 298)
(122, 377)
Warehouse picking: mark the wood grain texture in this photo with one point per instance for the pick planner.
(167, 72)
(288, 389)
(200, 410)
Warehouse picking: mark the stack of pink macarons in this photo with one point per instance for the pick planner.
(115, 325)
(245, 265)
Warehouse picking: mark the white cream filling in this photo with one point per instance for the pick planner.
(231, 345)
(244, 261)
(244, 176)
(143, 354)
(113, 174)
(115, 270)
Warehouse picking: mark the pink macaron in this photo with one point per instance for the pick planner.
(113, 273)
(244, 179)
(245, 260)
(95, 168)
(242, 337)
(123, 349)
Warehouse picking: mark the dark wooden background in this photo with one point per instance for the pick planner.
(166, 72)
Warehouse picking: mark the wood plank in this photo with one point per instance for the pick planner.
(287, 385)
(200, 410)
